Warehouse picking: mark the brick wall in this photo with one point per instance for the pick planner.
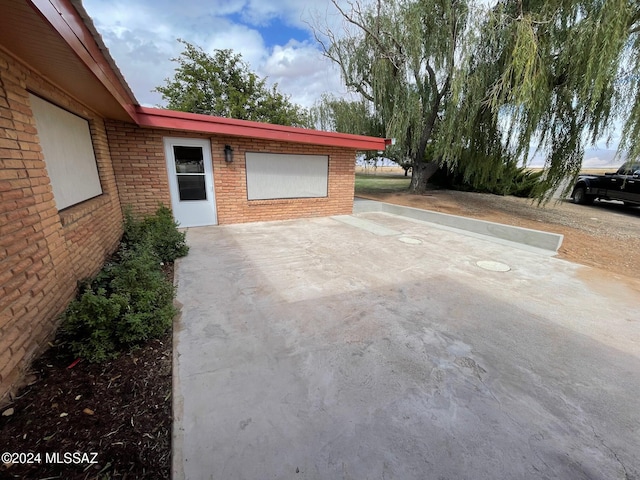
(140, 167)
(231, 186)
(43, 252)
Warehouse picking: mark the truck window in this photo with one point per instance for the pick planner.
(628, 169)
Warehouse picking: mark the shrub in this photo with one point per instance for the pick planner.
(506, 179)
(88, 325)
(160, 230)
(149, 296)
(130, 300)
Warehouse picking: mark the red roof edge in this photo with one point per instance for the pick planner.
(171, 119)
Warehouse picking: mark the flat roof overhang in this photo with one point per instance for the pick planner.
(173, 120)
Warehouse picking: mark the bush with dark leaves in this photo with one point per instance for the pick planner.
(130, 300)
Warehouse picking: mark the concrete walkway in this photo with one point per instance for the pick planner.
(384, 348)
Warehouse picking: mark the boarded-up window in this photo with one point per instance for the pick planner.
(65, 140)
(272, 176)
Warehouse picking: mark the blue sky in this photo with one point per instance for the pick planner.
(273, 36)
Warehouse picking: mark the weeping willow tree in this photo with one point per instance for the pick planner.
(557, 75)
(475, 90)
(358, 117)
(401, 57)
(341, 115)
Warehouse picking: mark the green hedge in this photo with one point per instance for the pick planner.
(130, 301)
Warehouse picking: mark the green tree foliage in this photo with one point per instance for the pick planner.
(402, 56)
(340, 115)
(360, 118)
(557, 74)
(472, 89)
(223, 85)
(507, 179)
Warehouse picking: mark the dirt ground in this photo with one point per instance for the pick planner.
(120, 411)
(605, 235)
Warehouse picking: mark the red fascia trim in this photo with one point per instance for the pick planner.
(66, 21)
(173, 120)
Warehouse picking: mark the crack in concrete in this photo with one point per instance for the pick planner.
(627, 475)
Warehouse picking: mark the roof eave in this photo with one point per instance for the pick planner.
(173, 120)
(73, 24)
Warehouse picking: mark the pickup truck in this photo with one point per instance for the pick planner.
(623, 185)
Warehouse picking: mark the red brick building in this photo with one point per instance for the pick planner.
(76, 148)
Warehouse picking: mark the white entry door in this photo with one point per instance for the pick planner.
(191, 181)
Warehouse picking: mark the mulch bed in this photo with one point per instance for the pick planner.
(119, 410)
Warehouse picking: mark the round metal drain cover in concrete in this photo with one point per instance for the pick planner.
(493, 266)
(410, 241)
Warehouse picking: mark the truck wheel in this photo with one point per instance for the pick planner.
(580, 196)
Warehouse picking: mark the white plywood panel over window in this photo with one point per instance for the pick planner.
(66, 145)
(271, 175)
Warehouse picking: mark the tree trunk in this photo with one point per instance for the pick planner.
(422, 171)
(420, 175)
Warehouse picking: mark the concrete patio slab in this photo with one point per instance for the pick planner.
(317, 349)
(539, 241)
(367, 225)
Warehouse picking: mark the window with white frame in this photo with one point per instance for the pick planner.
(66, 144)
(273, 176)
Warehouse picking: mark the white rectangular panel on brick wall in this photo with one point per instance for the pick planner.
(66, 144)
(273, 175)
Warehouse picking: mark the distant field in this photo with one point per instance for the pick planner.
(384, 183)
(597, 171)
(379, 170)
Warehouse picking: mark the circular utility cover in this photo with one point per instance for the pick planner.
(410, 241)
(493, 266)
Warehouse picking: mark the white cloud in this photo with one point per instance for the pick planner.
(602, 158)
(292, 60)
(141, 36)
(301, 68)
(240, 39)
(145, 63)
(294, 12)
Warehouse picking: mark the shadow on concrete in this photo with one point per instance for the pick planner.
(310, 349)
